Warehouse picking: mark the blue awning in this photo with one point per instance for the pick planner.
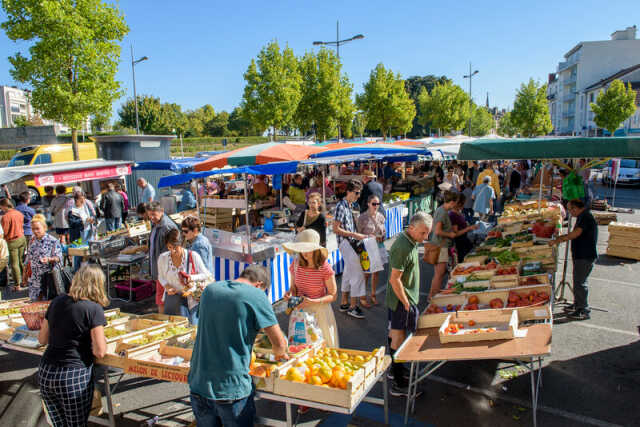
(268, 169)
(385, 150)
(174, 165)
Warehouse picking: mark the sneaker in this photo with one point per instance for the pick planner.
(344, 307)
(579, 314)
(570, 308)
(356, 312)
(400, 391)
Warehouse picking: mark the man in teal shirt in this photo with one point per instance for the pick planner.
(403, 291)
(231, 313)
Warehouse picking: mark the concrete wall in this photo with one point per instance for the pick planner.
(14, 138)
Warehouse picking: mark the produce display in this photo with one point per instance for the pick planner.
(10, 310)
(523, 299)
(478, 326)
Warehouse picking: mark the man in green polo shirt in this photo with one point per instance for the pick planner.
(231, 313)
(403, 291)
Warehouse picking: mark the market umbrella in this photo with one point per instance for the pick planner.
(258, 154)
(374, 149)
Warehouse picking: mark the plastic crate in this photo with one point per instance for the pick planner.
(140, 289)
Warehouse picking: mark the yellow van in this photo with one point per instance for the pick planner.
(53, 153)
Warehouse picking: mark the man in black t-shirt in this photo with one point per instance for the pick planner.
(584, 238)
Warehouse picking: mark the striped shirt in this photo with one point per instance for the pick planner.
(310, 281)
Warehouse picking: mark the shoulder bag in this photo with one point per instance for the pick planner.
(431, 253)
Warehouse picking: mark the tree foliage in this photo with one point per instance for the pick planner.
(386, 103)
(531, 111)
(446, 108)
(414, 86)
(614, 106)
(506, 126)
(272, 92)
(100, 121)
(240, 125)
(359, 124)
(481, 122)
(73, 56)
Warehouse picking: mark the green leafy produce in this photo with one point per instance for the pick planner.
(506, 257)
(8, 311)
(112, 333)
(458, 288)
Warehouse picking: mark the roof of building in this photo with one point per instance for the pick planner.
(612, 77)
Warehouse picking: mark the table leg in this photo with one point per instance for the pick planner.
(130, 284)
(385, 396)
(107, 387)
(406, 409)
(289, 415)
(108, 280)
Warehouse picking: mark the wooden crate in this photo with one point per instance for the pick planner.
(543, 279)
(532, 312)
(78, 251)
(115, 317)
(480, 259)
(134, 327)
(626, 252)
(177, 320)
(605, 218)
(505, 324)
(141, 366)
(346, 398)
(127, 346)
(525, 244)
(504, 281)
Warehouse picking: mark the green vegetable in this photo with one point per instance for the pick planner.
(506, 257)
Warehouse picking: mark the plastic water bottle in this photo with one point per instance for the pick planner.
(152, 421)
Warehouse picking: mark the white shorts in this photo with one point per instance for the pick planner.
(352, 275)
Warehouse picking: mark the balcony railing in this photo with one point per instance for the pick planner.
(568, 96)
(571, 79)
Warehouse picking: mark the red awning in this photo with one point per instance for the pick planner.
(82, 175)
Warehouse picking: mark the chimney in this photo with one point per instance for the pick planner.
(627, 34)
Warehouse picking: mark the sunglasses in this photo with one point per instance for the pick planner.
(356, 192)
(375, 204)
(185, 230)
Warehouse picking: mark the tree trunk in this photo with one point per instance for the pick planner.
(74, 144)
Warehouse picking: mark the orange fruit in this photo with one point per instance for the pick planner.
(325, 374)
(316, 380)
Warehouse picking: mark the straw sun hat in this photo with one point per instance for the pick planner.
(306, 241)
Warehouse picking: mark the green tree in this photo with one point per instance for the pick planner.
(218, 126)
(506, 126)
(21, 121)
(150, 114)
(446, 108)
(346, 107)
(73, 57)
(414, 86)
(196, 120)
(614, 106)
(386, 103)
(531, 111)
(359, 124)
(100, 121)
(481, 122)
(239, 124)
(272, 92)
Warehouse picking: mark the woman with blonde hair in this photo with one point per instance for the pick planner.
(313, 218)
(73, 329)
(43, 254)
(314, 279)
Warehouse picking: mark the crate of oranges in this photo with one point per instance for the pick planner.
(330, 375)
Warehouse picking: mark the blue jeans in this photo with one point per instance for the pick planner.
(113, 224)
(216, 413)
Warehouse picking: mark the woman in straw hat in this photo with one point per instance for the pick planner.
(314, 279)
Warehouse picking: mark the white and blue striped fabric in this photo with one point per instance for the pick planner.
(393, 222)
(226, 269)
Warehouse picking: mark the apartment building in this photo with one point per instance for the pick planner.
(15, 102)
(584, 66)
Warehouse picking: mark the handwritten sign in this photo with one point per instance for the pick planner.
(156, 370)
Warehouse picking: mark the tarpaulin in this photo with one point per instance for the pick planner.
(269, 169)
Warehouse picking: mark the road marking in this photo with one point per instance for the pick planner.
(634, 285)
(524, 403)
(604, 328)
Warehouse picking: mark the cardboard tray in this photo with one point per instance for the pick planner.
(506, 325)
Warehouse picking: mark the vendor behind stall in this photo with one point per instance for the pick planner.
(261, 189)
(314, 219)
(297, 192)
(233, 311)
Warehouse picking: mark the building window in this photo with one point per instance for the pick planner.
(591, 97)
(15, 108)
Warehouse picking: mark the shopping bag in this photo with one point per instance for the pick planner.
(572, 187)
(370, 259)
(303, 328)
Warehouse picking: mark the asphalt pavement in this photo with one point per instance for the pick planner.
(591, 378)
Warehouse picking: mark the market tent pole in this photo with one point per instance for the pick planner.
(246, 213)
(324, 191)
(541, 182)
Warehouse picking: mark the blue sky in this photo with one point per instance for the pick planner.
(198, 49)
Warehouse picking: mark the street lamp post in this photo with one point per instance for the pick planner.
(337, 44)
(135, 95)
(470, 77)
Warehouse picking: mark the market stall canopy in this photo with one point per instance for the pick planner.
(383, 149)
(67, 172)
(550, 148)
(173, 165)
(276, 168)
(258, 155)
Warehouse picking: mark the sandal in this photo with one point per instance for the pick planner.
(374, 301)
(364, 303)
